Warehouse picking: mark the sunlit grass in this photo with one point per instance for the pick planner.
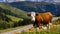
(41, 32)
(55, 29)
(15, 18)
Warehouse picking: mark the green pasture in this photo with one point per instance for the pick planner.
(15, 18)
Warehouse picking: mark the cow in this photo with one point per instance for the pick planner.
(40, 19)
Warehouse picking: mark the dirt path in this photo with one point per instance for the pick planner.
(18, 30)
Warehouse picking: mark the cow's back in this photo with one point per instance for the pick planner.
(47, 17)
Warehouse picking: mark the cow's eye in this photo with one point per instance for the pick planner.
(36, 14)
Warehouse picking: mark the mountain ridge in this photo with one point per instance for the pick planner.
(37, 6)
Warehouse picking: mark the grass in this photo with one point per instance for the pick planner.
(10, 29)
(41, 32)
(13, 10)
(55, 29)
(14, 18)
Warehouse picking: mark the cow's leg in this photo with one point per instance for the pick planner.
(44, 27)
(37, 28)
(48, 27)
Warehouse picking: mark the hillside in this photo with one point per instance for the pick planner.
(11, 16)
(37, 6)
(13, 10)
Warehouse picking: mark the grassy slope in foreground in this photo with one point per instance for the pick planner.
(55, 29)
(21, 14)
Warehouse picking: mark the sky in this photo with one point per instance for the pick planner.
(7, 0)
(30, 0)
(1, 0)
(57, 0)
(42, 0)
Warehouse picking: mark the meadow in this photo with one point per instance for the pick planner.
(55, 29)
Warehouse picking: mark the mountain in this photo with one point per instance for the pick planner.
(37, 6)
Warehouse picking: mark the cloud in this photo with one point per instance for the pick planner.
(20, 0)
(31, 0)
(57, 0)
(9, 0)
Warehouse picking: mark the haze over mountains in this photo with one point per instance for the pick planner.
(30, 0)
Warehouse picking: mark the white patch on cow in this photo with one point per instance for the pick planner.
(33, 16)
(44, 27)
(37, 28)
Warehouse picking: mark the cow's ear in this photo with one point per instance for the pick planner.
(28, 14)
(36, 14)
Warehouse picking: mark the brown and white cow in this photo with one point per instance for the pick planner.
(40, 19)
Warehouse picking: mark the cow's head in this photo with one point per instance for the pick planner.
(32, 15)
